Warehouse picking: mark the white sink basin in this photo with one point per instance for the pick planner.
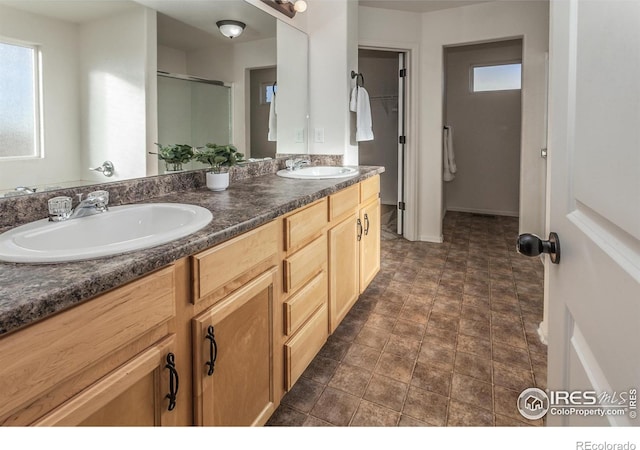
(319, 172)
(119, 230)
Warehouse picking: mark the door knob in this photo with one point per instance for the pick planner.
(532, 245)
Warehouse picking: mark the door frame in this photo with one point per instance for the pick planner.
(410, 168)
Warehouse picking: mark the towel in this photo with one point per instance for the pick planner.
(273, 120)
(361, 106)
(448, 156)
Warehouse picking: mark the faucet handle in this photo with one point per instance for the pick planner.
(59, 208)
(102, 195)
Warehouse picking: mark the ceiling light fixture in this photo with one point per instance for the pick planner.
(288, 7)
(231, 28)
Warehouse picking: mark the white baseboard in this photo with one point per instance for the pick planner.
(435, 239)
(491, 212)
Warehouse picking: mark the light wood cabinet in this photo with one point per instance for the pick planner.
(354, 245)
(343, 269)
(369, 243)
(81, 365)
(234, 343)
(142, 392)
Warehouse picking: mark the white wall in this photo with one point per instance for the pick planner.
(172, 60)
(113, 73)
(477, 23)
(333, 53)
(61, 139)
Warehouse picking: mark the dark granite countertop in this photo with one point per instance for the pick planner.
(30, 292)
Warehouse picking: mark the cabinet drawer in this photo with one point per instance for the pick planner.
(369, 188)
(304, 346)
(304, 264)
(35, 359)
(303, 226)
(343, 202)
(300, 306)
(216, 267)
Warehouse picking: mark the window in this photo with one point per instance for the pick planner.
(501, 77)
(268, 89)
(19, 101)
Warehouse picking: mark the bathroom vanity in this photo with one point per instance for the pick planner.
(211, 329)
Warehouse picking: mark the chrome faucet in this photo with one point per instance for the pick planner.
(95, 203)
(294, 164)
(26, 190)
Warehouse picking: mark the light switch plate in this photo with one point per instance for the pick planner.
(299, 135)
(319, 135)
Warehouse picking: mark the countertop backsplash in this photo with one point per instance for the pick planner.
(23, 209)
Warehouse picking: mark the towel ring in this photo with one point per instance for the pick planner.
(359, 77)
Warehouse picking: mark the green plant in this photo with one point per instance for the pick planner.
(218, 156)
(175, 153)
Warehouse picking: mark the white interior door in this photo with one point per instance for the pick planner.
(402, 136)
(594, 202)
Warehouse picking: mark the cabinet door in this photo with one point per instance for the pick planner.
(142, 392)
(343, 269)
(369, 243)
(234, 375)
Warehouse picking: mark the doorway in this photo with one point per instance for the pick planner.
(482, 127)
(385, 74)
(262, 85)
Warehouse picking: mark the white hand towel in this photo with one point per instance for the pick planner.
(362, 107)
(449, 143)
(273, 120)
(447, 156)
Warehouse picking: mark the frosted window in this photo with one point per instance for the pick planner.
(269, 90)
(503, 77)
(18, 101)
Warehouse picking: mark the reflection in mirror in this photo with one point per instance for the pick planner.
(193, 112)
(99, 88)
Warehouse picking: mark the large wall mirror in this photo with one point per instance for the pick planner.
(117, 76)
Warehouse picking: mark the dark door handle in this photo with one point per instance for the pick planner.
(173, 381)
(213, 350)
(359, 223)
(532, 245)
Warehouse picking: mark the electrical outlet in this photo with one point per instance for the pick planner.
(319, 135)
(299, 135)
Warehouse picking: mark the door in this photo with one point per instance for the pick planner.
(142, 392)
(343, 270)
(594, 205)
(234, 345)
(369, 243)
(402, 138)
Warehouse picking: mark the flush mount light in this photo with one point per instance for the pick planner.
(288, 7)
(231, 28)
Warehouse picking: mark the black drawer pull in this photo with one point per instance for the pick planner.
(213, 350)
(174, 381)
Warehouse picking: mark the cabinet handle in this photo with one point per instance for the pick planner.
(366, 224)
(359, 229)
(174, 381)
(213, 350)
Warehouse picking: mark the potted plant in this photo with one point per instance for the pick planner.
(219, 158)
(174, 155)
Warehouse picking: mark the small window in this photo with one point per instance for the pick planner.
(503, 77)
(19, 101)
(268, 89)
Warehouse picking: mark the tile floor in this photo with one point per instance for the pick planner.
(444, 335)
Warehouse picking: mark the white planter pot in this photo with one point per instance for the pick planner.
(217, 181)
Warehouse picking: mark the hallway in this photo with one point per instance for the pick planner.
(445, 335)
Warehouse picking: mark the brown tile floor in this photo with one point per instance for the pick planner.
(444, 335)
